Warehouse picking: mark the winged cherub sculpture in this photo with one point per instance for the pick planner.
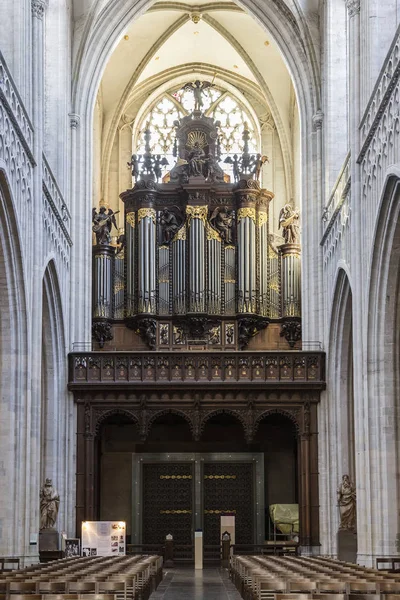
(197, 88)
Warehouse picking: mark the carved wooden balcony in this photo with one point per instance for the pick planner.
(101, 370)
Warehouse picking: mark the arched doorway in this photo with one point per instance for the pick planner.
(169, 482)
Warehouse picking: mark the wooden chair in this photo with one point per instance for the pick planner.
(301, 586)
(331, 587)
(21, 587)
(51, 587)
(81, 587)
(362, 587)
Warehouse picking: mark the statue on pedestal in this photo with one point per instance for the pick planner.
(289, 221)
(102, 224)
(49, 504)
(346, 495)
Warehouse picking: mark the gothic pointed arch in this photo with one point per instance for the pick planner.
(14, 366)
(338, 404)
(168, 411)
(383, 351)
(53, 414)
(103, 415)
(238, 415)
(291, 415)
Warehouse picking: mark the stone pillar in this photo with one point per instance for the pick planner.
(35, 457)
(362, 441)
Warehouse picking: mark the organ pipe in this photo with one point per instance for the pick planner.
(247, 288)
(130, 250)
(103, 280)
(197, 216)
(291, 280)
(147, 260)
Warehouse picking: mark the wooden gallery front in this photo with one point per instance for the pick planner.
(198, 397)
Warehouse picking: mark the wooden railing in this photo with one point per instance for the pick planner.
(194, 369)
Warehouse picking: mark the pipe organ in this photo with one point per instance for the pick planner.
(196, 266)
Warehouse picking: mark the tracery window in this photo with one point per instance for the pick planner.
(217, 103)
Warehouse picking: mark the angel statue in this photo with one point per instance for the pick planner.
(102, 224)
(289, 221)
(258, 164)
(222, 221)
(197, 88)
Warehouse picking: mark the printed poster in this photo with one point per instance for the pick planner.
(103, 538)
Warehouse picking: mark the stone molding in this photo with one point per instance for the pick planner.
(38, 8)
(318, 120)
(53, 193)
(74, 120)
(15, 109)
(353, 7)
(337, 198)
(383, 91)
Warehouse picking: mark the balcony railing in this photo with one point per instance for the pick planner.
(188, 369)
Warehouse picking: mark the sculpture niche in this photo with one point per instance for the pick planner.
(197, 146)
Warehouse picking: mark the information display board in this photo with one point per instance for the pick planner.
(103, 538)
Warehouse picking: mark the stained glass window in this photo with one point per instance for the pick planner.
(217, 103)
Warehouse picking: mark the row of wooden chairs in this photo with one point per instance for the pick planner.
(95, 578)
(264, 578)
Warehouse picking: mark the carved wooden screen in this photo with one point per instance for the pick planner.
(228, 488)
(167, 502)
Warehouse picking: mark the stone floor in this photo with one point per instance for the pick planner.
(189, 584)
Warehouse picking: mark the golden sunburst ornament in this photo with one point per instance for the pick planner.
(196, 138)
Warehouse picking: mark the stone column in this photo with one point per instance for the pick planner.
(34, 419)
(362, 475)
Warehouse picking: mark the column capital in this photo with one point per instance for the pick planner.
(38, 8)
(74, 120)
(353, 7)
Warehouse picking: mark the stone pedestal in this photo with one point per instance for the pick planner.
(198, 550)
(49, 540)
(347, 545)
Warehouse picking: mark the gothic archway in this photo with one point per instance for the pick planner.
(54, 415)
(383, 381)
(15, 374)
(102, 30)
